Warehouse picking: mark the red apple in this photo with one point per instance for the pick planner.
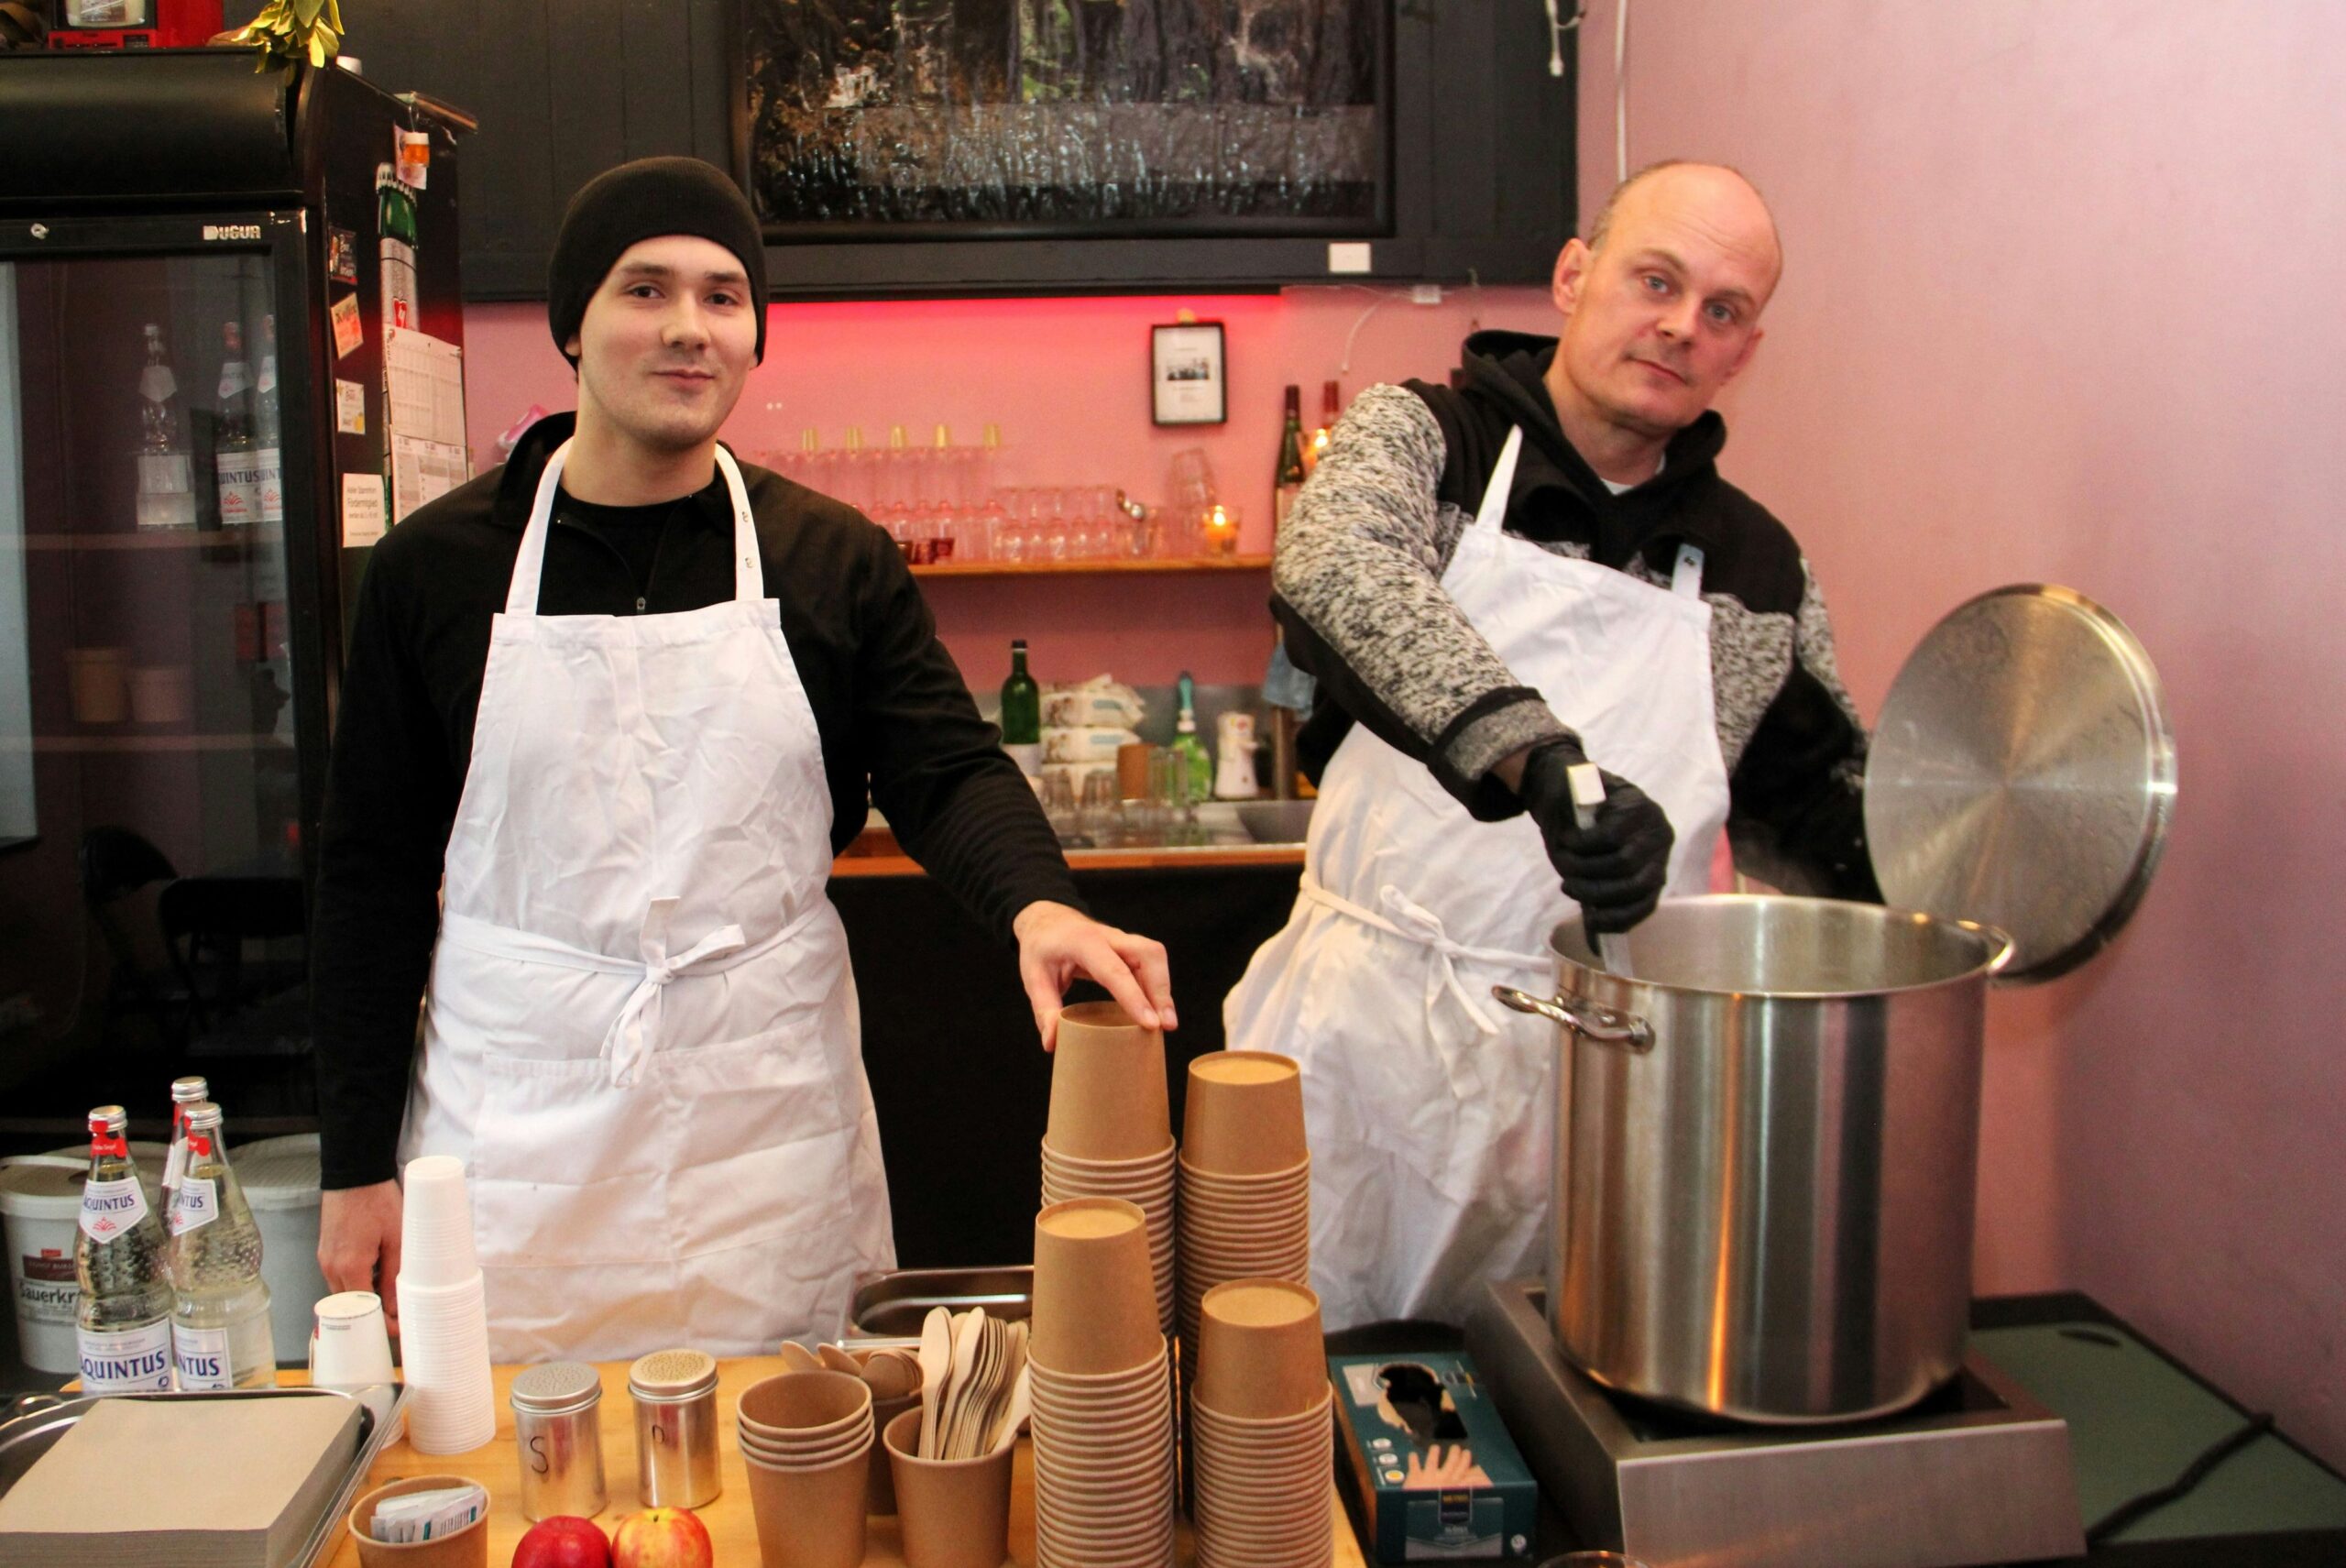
(566, 1540)
(662, 1538)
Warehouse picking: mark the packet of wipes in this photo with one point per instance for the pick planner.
(427, 1515)
(1098, 703)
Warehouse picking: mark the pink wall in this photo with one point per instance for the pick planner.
(1067, 381)
(2062, 303)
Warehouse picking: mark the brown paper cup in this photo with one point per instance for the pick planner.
(798, 1407)
(810, 1519)
(1244, 1114)
(1095, 1291)
(1107, 1098)
(468, 1547)
(1261, 1354)
(955, 1512)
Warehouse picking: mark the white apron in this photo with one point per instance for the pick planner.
(1429, 1107)
(640, 1034)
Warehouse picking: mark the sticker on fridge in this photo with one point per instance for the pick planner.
(342, 255)
(349, 408)
(362, 510)
(349, 331)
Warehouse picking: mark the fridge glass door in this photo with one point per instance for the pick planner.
(150, 780)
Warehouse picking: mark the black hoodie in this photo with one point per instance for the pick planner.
(1374, 528)
(895, 717)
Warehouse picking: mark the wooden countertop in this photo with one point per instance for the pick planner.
(731, 1526)
(853, 864)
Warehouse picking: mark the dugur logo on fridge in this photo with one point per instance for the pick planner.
(231, 231)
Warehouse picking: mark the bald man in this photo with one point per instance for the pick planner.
(1494, 585)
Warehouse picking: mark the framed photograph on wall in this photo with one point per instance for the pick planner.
(1188, 381)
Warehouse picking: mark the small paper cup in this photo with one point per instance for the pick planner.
(797, 1407)
(348, 1345)
(1244, 1114)
(468, 1547)
(811, 1518)
(1108, 1095)
(955, 1513)
(1095, 1288)
(1261, 1354)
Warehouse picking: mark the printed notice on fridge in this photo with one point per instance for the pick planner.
(422, 471)
(349, 408)
(362, 510)
(349, 331)
(424, 379)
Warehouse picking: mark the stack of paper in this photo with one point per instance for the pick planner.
(163, 1483)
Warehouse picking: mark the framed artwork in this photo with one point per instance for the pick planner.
(1188, 381)
(1026, 119)
(1188, 377)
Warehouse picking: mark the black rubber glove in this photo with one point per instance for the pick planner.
(1613, 869)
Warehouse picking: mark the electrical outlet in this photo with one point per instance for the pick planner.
(1425, 293)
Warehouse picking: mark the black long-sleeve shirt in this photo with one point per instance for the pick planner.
(896, 721)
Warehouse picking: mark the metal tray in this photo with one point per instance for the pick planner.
(888, 1307)
(39, 1420)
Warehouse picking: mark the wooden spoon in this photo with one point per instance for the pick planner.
(935, 1364)
(836, 1360)
(797, 1357)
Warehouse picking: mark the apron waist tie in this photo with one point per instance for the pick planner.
(634, 1033)
(1413, 921)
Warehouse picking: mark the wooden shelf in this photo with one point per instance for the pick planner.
(1093, 569)
(160, 539)
(142, 743)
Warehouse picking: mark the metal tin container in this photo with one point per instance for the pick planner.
(675, 1428)
(557, 1427)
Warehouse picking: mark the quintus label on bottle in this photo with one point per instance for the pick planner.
(111, 1207)
(129, 1361)
(195, 1204)
(201, 1357)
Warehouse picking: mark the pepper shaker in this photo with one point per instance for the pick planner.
(675, 1428)
(557, 1426)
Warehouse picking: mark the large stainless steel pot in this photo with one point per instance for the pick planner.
(1765, 1147)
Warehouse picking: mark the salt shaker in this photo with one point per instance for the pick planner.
(675, 1428)
(557, 1426)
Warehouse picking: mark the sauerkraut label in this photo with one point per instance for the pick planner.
(132, 1361)
(47, 1291)
(110, 1208)
(195, 1204)
(201, 1356)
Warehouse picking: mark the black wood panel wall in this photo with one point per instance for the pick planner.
(1483, 154)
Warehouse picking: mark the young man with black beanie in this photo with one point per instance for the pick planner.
(609, 711)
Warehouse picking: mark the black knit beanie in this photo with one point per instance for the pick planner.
(639, 201)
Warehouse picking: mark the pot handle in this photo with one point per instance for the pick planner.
(1600, 1026)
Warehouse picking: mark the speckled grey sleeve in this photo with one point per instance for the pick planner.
(1360, 561)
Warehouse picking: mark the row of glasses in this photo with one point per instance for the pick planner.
(1100, 816)
(1077, 522)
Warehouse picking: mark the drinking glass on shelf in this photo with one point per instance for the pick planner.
(1189, 481)
(1102, 812)
(1058, 796)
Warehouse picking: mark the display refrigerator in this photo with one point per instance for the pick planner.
(231, 355)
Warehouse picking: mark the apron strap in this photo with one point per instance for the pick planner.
(1492, 513)
(749, 575)
(1413, 921)
(529, 562)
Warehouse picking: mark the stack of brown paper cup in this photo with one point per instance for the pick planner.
(807, 1439)
(1245, 1184)
(1260, 1412)
(1103, 1407)
(955, 1513)
(1110, 1134)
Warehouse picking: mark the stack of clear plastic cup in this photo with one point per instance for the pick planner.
(443, 1313)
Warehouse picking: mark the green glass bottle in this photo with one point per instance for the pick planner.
(1189, 746)
(1022, 713)
(1290, 480)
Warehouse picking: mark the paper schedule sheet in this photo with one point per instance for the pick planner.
(423, 401)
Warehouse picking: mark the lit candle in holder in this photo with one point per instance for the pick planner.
(1219, 527)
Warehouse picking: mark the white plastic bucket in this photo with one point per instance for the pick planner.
(280, 1182)
(41, 1197)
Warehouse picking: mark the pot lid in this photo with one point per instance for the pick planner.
(2022, 775)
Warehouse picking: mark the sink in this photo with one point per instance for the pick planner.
(1221, 825)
